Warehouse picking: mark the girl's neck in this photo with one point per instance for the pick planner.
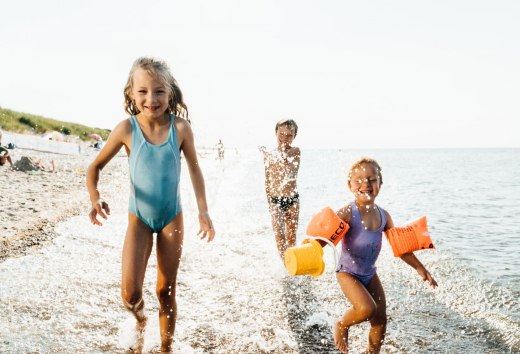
(365, 205)
(152, 122)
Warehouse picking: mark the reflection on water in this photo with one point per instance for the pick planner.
(233, 294)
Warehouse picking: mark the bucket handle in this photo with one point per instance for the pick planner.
(329, 242)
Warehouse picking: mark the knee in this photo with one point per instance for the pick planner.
(166, 294)
(379, 320)
(131, 298)
(367, 311)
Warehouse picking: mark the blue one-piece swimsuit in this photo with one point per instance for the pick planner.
(360, 247)
(154, 176)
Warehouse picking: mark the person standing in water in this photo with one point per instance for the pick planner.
(154, 136)
(220, 150)
(356, 273)
(281, 170)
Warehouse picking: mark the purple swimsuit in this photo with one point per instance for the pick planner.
(360, 248)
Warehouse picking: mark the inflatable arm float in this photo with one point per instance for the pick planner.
(324, 228)
(409, 238)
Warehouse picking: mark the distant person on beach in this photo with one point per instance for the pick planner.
(220, 150)
(5, 157)
(281, 169)
(361, 245)
(157, 131)
(4, 154)
(27, 164)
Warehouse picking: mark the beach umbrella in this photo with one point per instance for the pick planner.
(95, 136)
(53, 135)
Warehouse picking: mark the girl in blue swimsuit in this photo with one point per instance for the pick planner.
(356, 272)
(154, 136)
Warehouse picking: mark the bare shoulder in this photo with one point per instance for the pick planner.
(183, 130)
(122, 130)
(345, 213)
(294, 151)
(182, 126)
(120, 135)
(389, 221)
(184, 134)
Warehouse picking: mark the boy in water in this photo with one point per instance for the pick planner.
(281, 169)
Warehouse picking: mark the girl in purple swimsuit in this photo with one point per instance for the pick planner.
(356, 272)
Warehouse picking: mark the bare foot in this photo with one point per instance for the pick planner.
(341, 337)
(140, 328)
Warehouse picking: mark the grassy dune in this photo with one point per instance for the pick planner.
(26, 123)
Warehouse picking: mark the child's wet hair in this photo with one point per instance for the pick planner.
(288, 123)
(159, 68)
(366, 160)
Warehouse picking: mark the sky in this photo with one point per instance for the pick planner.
(353, 74)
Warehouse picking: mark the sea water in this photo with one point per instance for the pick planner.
(234, 295)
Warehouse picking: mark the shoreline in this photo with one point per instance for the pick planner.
(32, 203)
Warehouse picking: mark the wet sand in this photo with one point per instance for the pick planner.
(31, 203)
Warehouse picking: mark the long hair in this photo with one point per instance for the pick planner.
(159, 68)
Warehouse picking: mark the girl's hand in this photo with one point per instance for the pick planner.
(426, 276)
(206, 227)
(98, 207)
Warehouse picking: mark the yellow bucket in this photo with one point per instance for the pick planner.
(305, 259)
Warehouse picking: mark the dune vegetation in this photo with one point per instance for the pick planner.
(26, 123)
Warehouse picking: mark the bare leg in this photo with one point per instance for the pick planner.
(291, 224)
(8, 157)
(277, 219)
(363, 308)
(136, 251)
(169, 251)
(378, 321)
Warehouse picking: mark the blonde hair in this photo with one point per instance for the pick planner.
(289, 123)
(159, 68)
(366, 160)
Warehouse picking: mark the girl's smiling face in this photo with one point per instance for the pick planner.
(365, 183)
(150, 94)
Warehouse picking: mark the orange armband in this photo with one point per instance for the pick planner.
(412, 237)
(327, 224)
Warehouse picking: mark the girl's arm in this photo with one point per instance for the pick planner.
(411, 259)
(187, 145)
(118, 137)
(414, 262)
(345, 213)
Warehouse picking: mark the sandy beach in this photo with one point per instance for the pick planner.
(33, 202)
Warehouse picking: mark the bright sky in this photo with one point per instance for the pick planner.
(353, 74)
